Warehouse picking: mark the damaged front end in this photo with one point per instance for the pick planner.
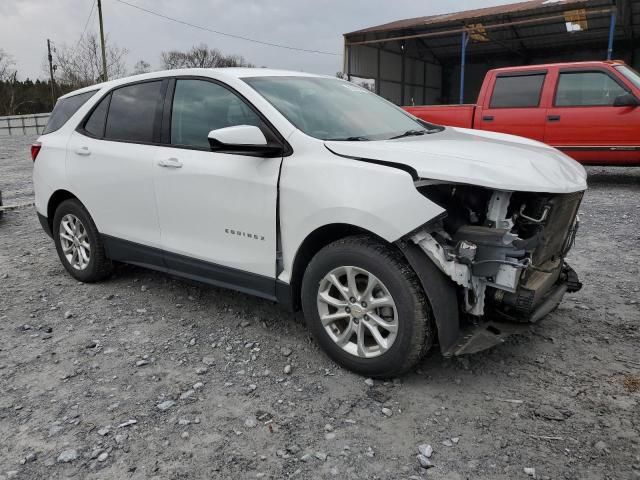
(505, 251)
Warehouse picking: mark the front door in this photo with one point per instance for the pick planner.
(217, 211)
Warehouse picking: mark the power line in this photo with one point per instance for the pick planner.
(93, 4)
(239, 37)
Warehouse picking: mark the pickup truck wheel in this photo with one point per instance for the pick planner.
(366, 308)
(78, 243)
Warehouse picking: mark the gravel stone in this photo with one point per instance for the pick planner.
(166, 405)
(68, 456)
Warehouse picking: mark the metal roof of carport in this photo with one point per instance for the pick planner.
(516, 27)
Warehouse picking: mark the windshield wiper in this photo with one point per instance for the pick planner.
(410, 133)
(348, 139)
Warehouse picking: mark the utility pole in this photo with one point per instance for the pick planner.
(104, 53)
(53, 92)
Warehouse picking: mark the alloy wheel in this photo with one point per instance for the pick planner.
(357, 311)
(74, 241)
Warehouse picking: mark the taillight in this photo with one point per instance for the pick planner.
(35, 150)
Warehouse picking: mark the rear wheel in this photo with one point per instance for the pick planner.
(78, 243)
(366, 308)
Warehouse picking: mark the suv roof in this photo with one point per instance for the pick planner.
(219, 73)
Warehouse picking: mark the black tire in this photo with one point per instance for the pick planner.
(99, 265)
(415, 326)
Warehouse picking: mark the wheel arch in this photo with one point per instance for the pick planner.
(312, 244)
(55, 200)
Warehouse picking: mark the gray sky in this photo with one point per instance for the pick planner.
(26, 24)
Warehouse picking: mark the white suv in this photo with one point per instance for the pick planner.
(390, 233)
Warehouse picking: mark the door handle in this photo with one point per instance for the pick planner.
(488, 118)
(553, 118)
(170, 163)
(84, 151)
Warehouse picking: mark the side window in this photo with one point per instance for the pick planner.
(133, 112)
(200, 106)
(585, 89)
(64, 110)
(518, 91)
(96, 122)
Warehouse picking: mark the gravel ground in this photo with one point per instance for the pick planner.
(146, 376)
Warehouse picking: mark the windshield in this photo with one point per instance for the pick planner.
(630, 74)
(332, 109)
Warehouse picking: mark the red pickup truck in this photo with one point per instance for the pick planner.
(589, 110)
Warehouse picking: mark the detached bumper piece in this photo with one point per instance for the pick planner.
(477, 338)
(485, 335)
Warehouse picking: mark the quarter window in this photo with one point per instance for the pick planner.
(200, 106)
(518, 91)
(582, 89)
(96, 122)
(133, 112)
(64, 110)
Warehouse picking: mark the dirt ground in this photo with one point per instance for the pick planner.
(146, 376)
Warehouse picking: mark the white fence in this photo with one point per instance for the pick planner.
(32, 124)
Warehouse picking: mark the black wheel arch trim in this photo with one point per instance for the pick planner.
(441, 293)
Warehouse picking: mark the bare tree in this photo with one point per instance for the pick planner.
(7, 64)
(201, 56)
(82, 66)
(141, 67)
(8, 84)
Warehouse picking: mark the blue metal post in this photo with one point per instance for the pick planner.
(612, 32)
(465, 40)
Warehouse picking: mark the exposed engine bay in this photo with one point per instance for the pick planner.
(504, 249)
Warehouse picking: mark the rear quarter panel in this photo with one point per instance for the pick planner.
(49, 169)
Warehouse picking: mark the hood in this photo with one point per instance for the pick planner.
(488, 159)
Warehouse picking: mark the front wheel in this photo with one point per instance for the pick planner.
(366, 308)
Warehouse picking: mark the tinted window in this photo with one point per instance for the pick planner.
(95, 123)
(133, 112)
(519, 91)
(587, 89)
(64, 110)
(200, 106)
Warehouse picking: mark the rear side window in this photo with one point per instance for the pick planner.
(200, 106)
(133, 112)
(64, 110)
(519, 91)
(96, 122)
(587, 89)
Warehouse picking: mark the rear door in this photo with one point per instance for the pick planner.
(110, 162)
(583, 120)
(217, 210)
(514, 105)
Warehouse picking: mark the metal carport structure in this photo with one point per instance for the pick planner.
(443, 58)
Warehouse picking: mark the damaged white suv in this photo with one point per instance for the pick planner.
(390, 233)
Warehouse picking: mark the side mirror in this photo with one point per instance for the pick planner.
(242, 140)
(626, 100)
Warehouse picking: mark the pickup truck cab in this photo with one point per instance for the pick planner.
(589, 110)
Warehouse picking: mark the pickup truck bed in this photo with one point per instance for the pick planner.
(589, 110)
